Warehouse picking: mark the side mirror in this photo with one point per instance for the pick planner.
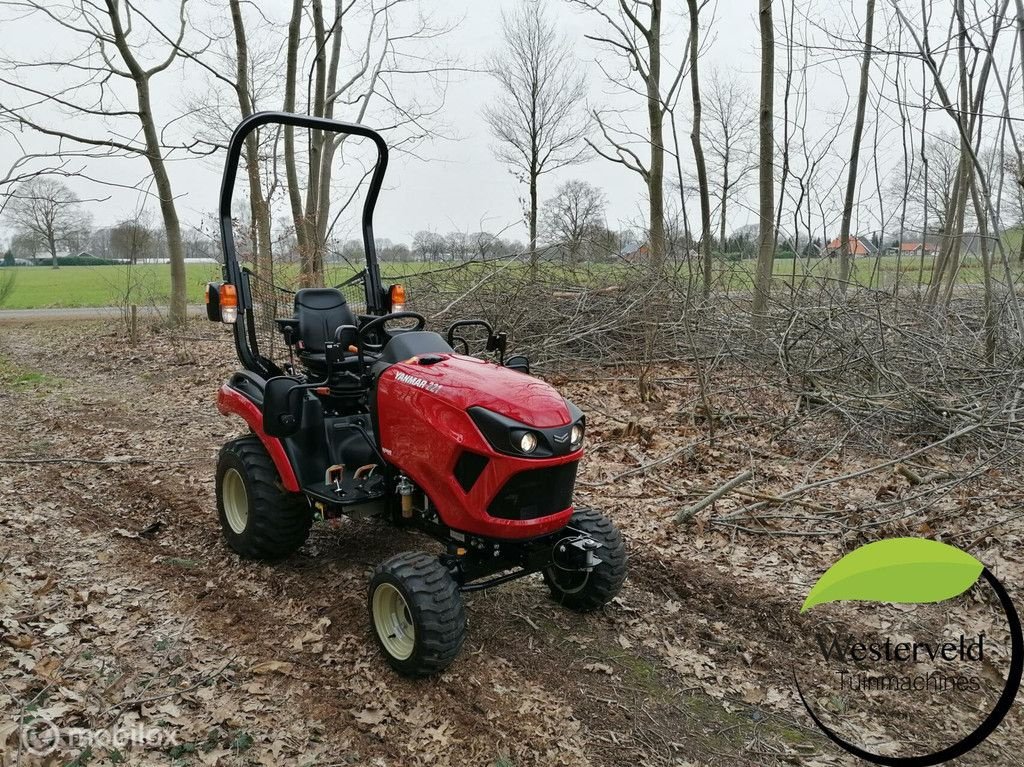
(496, 342)
(518, 363)
(282, 406)
(213, 301)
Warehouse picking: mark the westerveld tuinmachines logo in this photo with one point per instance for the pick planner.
(910, 653)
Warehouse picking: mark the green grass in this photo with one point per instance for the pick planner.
(868, 272)
(16, 377)
(40, 287)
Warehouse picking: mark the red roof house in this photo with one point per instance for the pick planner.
(857, 248)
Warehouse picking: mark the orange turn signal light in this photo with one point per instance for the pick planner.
(397, 294)
(228, 295)
(228, 303)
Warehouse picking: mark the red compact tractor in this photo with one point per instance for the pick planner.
(374, 415)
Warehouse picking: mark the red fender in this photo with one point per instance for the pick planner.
(233, 402)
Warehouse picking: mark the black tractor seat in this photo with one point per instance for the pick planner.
(319, 312)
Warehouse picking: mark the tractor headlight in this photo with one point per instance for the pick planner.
(576, 436)
(527, 441)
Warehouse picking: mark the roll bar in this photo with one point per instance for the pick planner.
(232, 271)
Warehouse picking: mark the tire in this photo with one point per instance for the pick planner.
(416, 614)
(259, 518)
(587, 591)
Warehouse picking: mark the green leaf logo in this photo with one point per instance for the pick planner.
(902, 570)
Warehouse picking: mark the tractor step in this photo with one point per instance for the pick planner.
(348, 490)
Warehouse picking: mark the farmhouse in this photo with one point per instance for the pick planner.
(914, 249)
(858, 247)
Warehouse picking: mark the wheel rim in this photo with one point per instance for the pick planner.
(393, 621)
(236, 501)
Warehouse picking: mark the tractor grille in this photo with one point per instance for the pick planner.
(535, 493)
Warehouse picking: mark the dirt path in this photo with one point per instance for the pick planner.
(120, 607)
(63, 314)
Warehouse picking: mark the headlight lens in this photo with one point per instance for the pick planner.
(527, 442)
(576, 436)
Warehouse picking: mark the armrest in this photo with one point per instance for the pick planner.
(288, 326)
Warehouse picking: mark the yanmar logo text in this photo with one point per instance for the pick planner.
(419, 383)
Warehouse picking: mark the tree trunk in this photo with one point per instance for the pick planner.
(948, 262)
(51, 242)
(316, 144)
(258, 203)
(1020, 46)
(175, 246)
(858, 132)
(725, 196)
(154, 154)
(322, 214)
(306, 277)
(533, 220)
(655, 116)
(698, 152)
(991, 324)
(766, 175)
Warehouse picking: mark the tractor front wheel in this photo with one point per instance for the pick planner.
(416, 613)
(582, 590)
(259, 518)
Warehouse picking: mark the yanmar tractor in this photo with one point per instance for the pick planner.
(374, 415)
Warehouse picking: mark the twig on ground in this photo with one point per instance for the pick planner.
(739, 479)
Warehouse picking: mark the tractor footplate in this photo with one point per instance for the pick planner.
(347, 488)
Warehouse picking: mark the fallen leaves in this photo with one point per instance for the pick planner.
(273, 667)
(116, 588)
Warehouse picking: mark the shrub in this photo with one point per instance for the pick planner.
(79, 261)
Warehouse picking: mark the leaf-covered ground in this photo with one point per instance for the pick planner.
(122, 612)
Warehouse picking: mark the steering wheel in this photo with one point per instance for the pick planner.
(379, 322)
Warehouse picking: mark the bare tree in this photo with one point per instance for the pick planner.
(131, 239)
(633, 33)
(257, 198)
(359, 73)
(731, 113)
(118, 42)
(698, 146)
(573, 215)
(766, 169)
(429, 246)
(930, 193)
(858, 132)
(537, 118)
(49, 211)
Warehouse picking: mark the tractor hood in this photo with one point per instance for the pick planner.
(466, 382)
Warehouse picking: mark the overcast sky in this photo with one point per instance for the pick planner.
(455, 184)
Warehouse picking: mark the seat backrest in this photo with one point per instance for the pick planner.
(320, 311)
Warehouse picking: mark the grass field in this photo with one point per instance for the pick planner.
(38, 287)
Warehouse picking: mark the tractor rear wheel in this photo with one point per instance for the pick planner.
(585, 591)
(259, 518)
(416, 613)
